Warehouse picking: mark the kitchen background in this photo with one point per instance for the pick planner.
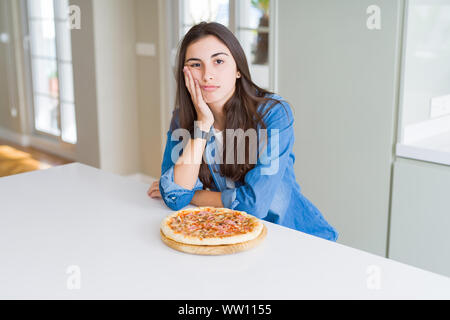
(368, 80)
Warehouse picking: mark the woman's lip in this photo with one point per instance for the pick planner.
(209, 88)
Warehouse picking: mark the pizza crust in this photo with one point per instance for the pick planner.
(186, 239)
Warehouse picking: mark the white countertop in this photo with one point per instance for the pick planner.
(75, 232)
(427, 140)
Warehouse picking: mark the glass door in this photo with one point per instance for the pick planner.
(247, 19)
(253, 32)
(50, 67)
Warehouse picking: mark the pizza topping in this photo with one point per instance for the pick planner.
(212, 223)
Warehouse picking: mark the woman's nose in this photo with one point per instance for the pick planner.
(208, 74)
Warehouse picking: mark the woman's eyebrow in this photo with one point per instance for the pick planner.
(214, 55)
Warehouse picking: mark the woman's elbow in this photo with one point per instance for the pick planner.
(177, 202)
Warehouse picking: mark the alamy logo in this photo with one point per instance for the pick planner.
(75, 17)
(374, 19)
(373, 280)
(236, 142)
(74, 279)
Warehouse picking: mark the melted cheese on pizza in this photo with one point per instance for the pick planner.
(212, 223)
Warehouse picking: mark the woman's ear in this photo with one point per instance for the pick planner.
(238, 75)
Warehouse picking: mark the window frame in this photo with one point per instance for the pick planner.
(233, 26)
(41, 138)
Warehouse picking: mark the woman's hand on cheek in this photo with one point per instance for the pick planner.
(204, 113)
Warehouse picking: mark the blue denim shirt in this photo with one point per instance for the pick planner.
(269, 191)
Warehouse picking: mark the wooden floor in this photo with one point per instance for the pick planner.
(39, 155)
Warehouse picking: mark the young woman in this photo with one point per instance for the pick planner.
(215, 94)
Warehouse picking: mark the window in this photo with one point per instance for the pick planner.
(424, 130)
(249, 20)
(253, 34)
(50, 56)
(195, 11)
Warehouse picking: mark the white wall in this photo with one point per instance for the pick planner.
(9, 96)
(115, 67)
(85, 87)
(341, 80)
(149, 85)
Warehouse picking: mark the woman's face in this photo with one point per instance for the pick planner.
(212, 64)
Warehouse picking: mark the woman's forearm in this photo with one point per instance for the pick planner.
(206, 198)
(186, 169)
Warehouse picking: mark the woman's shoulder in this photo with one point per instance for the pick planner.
(276, 110)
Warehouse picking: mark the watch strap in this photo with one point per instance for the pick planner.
(199, 133)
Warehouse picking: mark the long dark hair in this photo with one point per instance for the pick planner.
(241, 109)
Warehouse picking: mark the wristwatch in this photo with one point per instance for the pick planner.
(199, 133)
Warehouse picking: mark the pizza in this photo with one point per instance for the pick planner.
(211, 226)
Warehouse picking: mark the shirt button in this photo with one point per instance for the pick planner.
(173, 198)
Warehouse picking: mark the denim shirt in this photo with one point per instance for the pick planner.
(269, 191)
